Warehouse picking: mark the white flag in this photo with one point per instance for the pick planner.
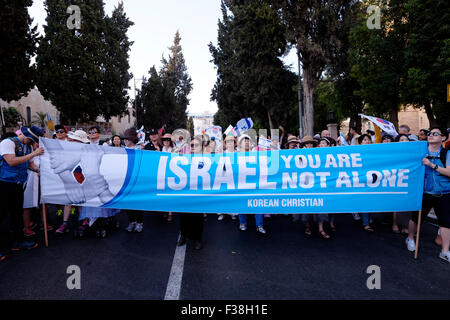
(384, 125)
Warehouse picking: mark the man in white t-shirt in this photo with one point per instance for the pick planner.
(15, 160)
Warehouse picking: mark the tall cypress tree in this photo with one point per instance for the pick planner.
(115, 68)
(156, 104)
(19, 41)
(174, 73)
(251, 79)
(85, 72)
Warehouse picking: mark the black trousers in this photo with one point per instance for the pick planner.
(441, 205)
(191, 225)
(11, 215)
(135, 216)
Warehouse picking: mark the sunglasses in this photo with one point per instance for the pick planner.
(434, 134)
(166, 139)
(93, 132)
(60, 131)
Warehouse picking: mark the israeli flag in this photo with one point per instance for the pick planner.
(243, 125)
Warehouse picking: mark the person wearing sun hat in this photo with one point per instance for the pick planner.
(308, 142)
(230, 144)
(78, 136)
(15, 160)
(292, 142)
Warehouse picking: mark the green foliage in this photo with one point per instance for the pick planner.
(427, 58)
(315, 28)
(407, 61)
(11, 117)
(251, 79)
(164, 97)
(156, 104)
(176, 78)
(39, 119)
(18, 46)
(84, 72)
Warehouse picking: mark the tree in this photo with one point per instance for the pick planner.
(115, 68)
(252, 81)
(427, 58)
(39, 119)
(156, 104)
(175, 75)
(11, 117)
(377, 57)
(313, 27)
(19, 41)
(190, 126)
(84, 72)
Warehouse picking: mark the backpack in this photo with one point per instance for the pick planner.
(443, 156)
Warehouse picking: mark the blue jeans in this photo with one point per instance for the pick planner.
(258, 219)
(365, 218)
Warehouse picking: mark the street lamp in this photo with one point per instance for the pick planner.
(331, 116)
(300, 96)
(332, 125)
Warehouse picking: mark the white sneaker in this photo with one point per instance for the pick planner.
(356, 216)
(243, 227)
(261, 230)
(220, 217)
(233, 217)
(410, 244)
(445, 256)
(139, 227)
(131, 227)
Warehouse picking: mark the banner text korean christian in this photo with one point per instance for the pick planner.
(366, 178)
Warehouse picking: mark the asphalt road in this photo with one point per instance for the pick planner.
(233, 265)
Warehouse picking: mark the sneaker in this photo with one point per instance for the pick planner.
(243, 227)
(26, 245)
(445, 256)
(220, 217)
(182, 241)
(356, 216)
(2, 257)
(64, 228)
(28, 232)
(410, 244)
(50, 228)
(131, 227)
(261, 230)
(233, 217)
(139, 227)
(198, 245)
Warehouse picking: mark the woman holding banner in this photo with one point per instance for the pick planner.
(366, 139)
(135, 218)
(436, 190)
(191, 224)
(230, 147)
(244, 145)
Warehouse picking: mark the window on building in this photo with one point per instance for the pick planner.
(28, 115)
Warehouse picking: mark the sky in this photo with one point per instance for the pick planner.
(156, 23)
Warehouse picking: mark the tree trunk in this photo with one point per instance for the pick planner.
(430, 115)
(394, 117)
(308, 92)
(270, 120)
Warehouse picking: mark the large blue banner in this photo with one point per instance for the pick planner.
(367, 178)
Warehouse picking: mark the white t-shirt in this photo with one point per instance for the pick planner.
(7, 147)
